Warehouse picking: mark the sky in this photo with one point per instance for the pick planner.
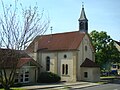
(102, 15)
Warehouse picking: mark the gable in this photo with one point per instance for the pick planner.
(57, 42)
(90, 43)
(23, 61)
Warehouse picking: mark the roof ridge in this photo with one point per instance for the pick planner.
(61, 33)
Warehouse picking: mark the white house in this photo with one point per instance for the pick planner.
(70, 55)
(26, 67)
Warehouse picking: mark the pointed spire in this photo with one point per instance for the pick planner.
(83, 21)
(82, 16)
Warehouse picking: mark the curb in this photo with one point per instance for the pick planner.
(63, 86)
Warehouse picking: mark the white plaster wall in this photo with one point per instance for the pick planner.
(33, 55)
(32, 73)
(53, 61)
(89, 52)
(83, 54)
(93, 74)
(69, 76)
(56, 60)
(71, 61)
(61, 56)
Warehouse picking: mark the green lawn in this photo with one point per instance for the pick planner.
(105, 77)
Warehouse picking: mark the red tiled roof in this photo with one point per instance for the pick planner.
(11, 63)
(7, 61)
(89, 63)
(61, 41)
(23, 61)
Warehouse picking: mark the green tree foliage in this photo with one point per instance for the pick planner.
(106, 52)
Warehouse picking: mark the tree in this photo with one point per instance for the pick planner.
(106, 52)
(18, 27)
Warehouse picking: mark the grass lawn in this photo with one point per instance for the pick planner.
(105, 77)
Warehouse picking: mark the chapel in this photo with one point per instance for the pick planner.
(71, 55)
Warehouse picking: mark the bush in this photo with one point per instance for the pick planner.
(48, 77)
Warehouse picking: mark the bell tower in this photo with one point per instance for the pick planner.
(83, 21)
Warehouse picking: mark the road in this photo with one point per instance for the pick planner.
(103, 87)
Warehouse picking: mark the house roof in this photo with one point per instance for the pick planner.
(57, 42)
(89, 63)
(9, 61)
(23, 61)
(21, 53)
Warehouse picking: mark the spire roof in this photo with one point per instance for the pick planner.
(82, 16)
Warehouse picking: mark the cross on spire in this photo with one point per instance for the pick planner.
(51, 28)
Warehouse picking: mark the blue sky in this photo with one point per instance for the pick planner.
(103, 15)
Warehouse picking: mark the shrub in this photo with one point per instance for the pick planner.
(48, 77)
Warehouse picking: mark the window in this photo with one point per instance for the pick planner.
(16, 77)
(65, 69)
(26, 76)
(48, 63)
(85, 48)
(81, 25)
(21, 78)
(85, 74)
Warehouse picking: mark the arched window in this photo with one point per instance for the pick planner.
(81, 25)
(47, 63)
(63, 68)
(85, 48)
(66, 69)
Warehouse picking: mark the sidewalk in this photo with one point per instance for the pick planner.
(59, 86)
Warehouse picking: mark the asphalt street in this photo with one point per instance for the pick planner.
(103, 87)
